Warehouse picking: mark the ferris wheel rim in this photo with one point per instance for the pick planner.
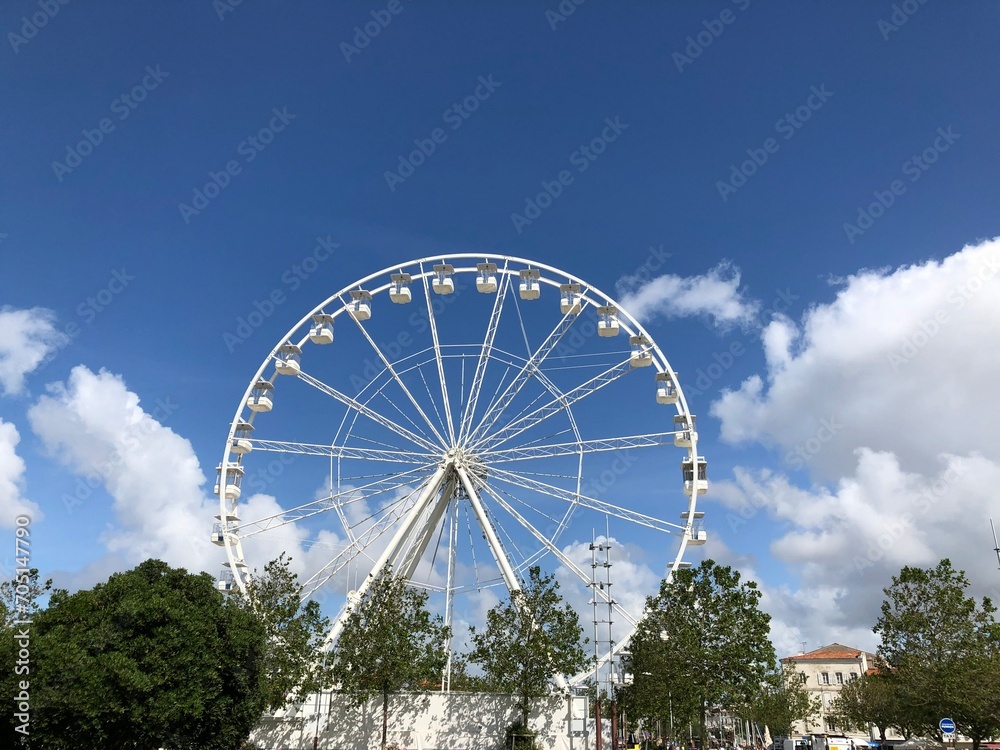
(591, 294)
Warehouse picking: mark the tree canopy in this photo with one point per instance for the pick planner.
(943, 651)
(389, 643)
(529, 638)
(703, 639)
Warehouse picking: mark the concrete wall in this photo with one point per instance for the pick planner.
(423, 721)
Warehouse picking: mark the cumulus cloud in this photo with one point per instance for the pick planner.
(715, 294)
(12, 502)
(884, 396)
(27, 338)
(902, 360)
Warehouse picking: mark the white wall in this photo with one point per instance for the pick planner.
(421, 721)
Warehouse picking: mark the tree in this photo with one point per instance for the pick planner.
(154, 658)
(529, 638)
(781, 701)
(872, 699)
(702, 640)
(943, 650)
(389, 643)
(295, 634)
(19, 605)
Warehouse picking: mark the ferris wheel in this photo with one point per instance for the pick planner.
(473, 417)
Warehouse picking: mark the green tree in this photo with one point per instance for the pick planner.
(154, 658)
(295, 634)
(390, 642)
(781, 701)
(529, 638)
(870, 700)
(702, 640)
(944, 651)
(19, 606)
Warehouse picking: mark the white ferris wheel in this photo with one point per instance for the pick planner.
(474, 416)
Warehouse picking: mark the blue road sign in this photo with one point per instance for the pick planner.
(947, 726)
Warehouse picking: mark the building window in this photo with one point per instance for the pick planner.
(824, 678)
(804, 677)
(853, 676)
(830, 726)
(840, 678)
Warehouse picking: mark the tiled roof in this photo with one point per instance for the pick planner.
(833, 651)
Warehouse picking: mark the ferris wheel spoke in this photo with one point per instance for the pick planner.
(399, 381)
(339, 451)
(387, 518)
(368, 412)
(600, 445)
(329, 502)
(484, 357)
(497, 408)
(559, 403)
(437, 356)
(559, 554)
(587, 502)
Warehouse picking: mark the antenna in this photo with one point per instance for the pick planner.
(996, 546)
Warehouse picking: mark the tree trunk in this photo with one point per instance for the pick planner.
(385, 717)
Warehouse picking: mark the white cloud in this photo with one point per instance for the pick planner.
(886, 395)
(715, 294)
(12, 503)
(904, 360)
(27, 337)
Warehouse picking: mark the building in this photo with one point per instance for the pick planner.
(824, 673)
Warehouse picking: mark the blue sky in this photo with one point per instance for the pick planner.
(736, 139)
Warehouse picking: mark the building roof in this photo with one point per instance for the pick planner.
(826, 653)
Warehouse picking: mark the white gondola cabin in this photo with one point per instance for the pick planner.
(361, 305)
(696, 533)
(224, 531)
(227, 579)
(529, 286)
(321, 331)
(607, 320)
(241, 443)
(399, 291)
(486, 278)
(642, 354)
(288, 360)
(666, 388)
(684, 430)
(569, 299)
(443, 282)
(261, 397)
(691, 482)
(234, 478)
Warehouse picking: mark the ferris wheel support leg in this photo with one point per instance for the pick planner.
(506, 570)
(390, 553)
(406, 563)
